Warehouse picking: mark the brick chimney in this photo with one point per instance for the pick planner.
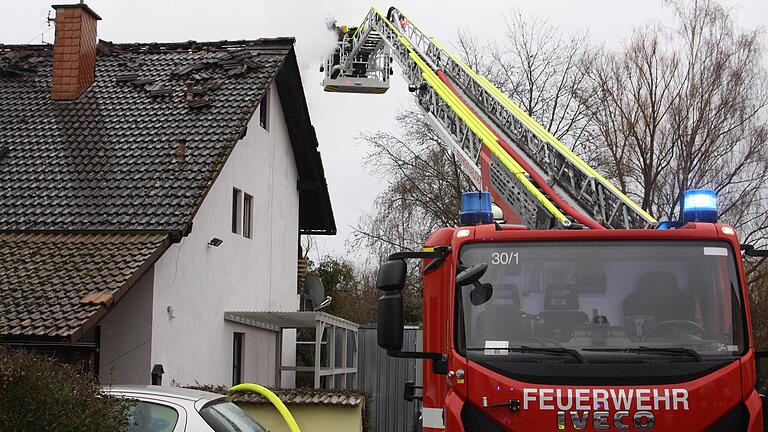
(74, 51)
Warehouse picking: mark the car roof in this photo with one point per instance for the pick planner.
(165, 391)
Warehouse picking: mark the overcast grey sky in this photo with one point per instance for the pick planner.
(339, 118)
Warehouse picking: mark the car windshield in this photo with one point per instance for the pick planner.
(588, 298)
(224, 416)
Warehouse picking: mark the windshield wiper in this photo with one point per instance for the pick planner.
(688, 352)
(559, 351)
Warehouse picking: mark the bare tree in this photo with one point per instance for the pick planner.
(423, 195)
(682, 109)
(539, 68)
(630, 101)
(687, 108)
(424, 190)
(721, 116)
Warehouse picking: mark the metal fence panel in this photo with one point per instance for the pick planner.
(385, 377)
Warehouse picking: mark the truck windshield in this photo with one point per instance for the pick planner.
(620, 298)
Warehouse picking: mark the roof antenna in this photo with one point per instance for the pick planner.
(48, 21)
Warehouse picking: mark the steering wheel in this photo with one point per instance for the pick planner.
(693, 326)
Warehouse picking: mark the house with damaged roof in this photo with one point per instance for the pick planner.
(145, 190)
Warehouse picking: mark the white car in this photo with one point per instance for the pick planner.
(174, 409)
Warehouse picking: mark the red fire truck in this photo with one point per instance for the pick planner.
(580, 329)
(566, 307)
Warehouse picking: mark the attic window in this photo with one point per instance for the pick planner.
(264, 111)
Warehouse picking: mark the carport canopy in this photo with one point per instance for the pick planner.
(340, 366)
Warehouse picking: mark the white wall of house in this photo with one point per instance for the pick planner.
(198, 283)
(259, 366)
(124, 351)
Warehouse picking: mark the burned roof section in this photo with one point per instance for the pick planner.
(196, 79)
(18, 63)
(108, 161)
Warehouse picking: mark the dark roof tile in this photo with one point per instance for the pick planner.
(112, 152)
(55, 284)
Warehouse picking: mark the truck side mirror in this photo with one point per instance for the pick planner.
(481, 293)
(391, 275)
(471, 275)
(390, 320)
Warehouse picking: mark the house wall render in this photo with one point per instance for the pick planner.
(199, 283)
(126, 333)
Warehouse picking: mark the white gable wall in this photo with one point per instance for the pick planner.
(198, 283)
(125, 339)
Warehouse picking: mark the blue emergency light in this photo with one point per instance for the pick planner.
(700, 205)
(476, 208)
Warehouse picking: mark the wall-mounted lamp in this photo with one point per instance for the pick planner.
(215, 242)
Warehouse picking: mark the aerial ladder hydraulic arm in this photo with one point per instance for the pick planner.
(498, 145)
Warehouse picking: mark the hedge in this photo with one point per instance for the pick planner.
(37, 394)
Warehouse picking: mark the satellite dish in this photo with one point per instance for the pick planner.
(316, 291)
